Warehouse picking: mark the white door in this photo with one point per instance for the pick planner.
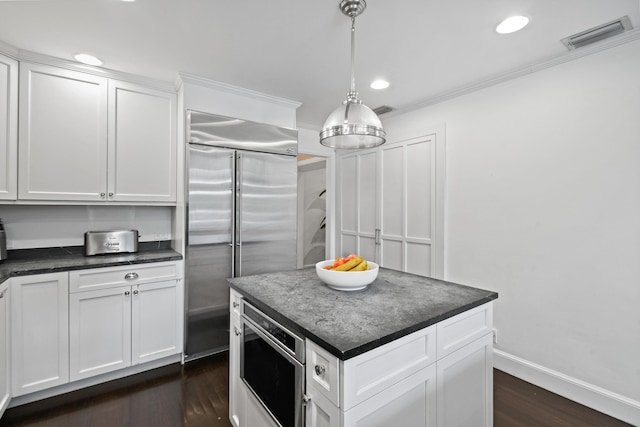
(8, 128)
(237, 395)
(39, 332)
(156, 321)
(62, 134)
(319, 411)
(142, 144)
(391, 205)
(99, 331)
(5, 390)
(357, 204)
(465, 385)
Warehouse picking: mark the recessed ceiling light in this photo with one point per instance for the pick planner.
(379, 84)
(87, 59)
(512, 24)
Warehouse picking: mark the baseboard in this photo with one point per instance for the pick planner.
(602, 400)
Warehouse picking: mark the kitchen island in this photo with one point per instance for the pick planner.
(407, 350)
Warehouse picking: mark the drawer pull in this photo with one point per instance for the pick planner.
(235, 304)
(126, 293)
(237, 332)
(130, 276)
(306, 399)
(135, 292)
(319, 370)
(2, 294)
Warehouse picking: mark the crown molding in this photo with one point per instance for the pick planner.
(234, 90)
(27, 56)
(565, 57)
(8, 50)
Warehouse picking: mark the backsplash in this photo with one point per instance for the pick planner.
(53, 226)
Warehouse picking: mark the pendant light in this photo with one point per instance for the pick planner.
(353, 124)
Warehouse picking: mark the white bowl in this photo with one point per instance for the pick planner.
(346, 280)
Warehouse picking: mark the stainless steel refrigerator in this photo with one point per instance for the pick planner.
(242, 216)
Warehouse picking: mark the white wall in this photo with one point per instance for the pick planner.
(543, 206)
(55, 226)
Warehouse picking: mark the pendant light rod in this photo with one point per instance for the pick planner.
(353, 56)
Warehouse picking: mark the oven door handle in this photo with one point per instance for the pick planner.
(266, 336)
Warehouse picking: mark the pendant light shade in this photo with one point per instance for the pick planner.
(353, 124)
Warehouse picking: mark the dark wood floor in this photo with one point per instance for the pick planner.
(196, 395)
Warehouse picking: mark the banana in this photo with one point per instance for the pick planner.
(361, 267)
(349, 264)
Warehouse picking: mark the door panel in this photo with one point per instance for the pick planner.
(419, 192)
(209, 251)
(367, 166)
(266, 213)
(392, 199)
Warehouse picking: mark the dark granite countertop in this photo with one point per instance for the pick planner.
(23, 262)
(350, 323)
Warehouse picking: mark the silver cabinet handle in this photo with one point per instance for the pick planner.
(135, 292)
(110, 194)
(235, 304)
(102, 194)
(306, 399)
(1, 294)
(237, 332)
(130, 276)
(127, 293)
(319, 370)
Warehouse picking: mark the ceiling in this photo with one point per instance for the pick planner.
(300, 49)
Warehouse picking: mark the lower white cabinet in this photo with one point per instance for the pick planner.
(113, 327)
(238, 395)
(5, 389)
(39, 332)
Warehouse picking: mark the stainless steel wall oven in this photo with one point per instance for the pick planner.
(272, 366)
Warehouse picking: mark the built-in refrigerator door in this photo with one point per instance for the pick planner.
(209, 257)
(267, 213)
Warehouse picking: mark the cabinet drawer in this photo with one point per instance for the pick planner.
(464, 328)
(102, 278)
(323, 371)
(374, 371)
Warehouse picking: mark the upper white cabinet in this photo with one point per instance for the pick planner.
(390, 205)
(8, 128)
(142, 144)
(88, 138)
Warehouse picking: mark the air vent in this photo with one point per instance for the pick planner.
(598, 33)
(382, 109)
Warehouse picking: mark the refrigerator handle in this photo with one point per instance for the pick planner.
(232, 160)
(238, 218)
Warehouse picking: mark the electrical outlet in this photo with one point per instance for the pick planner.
(495, 336)
(162, 236)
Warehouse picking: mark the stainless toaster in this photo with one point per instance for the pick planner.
(110, 242)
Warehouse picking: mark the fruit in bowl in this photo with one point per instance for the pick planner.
(351, 273)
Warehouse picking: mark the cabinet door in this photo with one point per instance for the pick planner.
(465, 385)
(63, 135)
(236, 391)
(142, 144)
(320, 412)
(5, 391)
(8, 128)
(39, 332)
(100, 331)
(357, 204)
(156, 321)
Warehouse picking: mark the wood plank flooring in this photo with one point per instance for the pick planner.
(196, 395)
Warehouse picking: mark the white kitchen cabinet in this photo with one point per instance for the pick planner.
(390, 206)
(5, 375)
(39, 332)
(237, 392)
(320, 411)
(142, 144)
(88, 138)
(63, 134)
(114, 326)
(8, 128)
(465, 385)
